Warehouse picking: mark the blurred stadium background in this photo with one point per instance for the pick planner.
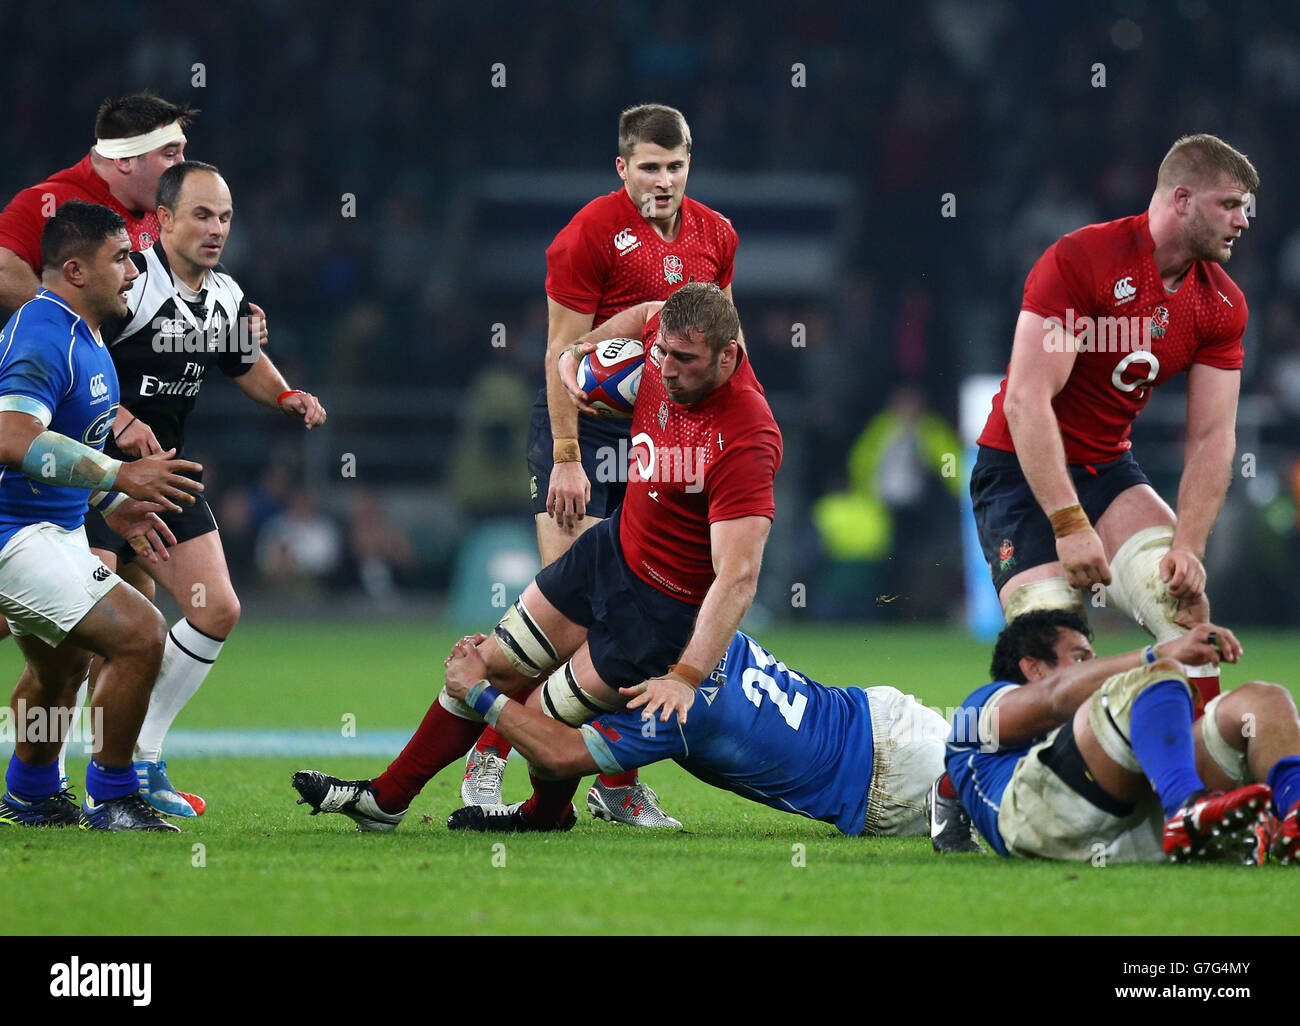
(832, 134)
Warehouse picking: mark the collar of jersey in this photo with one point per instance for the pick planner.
(44, 293)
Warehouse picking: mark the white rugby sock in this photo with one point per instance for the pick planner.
(77, 707)
(188, 657)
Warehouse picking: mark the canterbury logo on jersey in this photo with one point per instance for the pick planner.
(1124, 290)
(98, 387)
(626, 241)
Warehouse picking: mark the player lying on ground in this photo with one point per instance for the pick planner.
(161, 372)
(860, 759)
(637, 244)
(57, 385)
(1067, 756)
(643, 600)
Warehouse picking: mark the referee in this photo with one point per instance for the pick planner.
(185, 316)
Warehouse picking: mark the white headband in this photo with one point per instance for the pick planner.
(135, 145)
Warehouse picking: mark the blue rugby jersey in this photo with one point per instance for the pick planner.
(980, 768)
(49, 354)
(762, 731)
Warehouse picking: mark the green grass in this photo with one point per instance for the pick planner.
(270, 868)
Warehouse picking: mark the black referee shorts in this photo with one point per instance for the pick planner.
(1015, 533)
(191, 522)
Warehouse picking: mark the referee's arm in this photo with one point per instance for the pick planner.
(264, 384)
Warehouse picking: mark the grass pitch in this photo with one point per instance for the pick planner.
(256, 863)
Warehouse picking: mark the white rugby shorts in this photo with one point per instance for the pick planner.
(49, 581)
(907, 756)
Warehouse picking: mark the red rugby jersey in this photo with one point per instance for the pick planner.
(22, 220)
(1093, 278)
(609, 258)
(691, 466)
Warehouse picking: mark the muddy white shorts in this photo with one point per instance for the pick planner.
(907, 757)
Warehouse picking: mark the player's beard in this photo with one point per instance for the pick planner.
(1206, 243)
(704, 389)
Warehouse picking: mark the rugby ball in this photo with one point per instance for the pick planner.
(611, 374)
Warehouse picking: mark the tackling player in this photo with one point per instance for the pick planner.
(860, 759)
(636, 244)
(185, 316)
(644, 599)
(1109, 312)
(58, 396)
(1067, 756)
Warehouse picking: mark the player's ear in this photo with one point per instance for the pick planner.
(1030, 668)
(74, 273)
(620, 165)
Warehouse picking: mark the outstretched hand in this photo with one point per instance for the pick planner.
(665, 695)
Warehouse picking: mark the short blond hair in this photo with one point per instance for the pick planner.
(1204, 160)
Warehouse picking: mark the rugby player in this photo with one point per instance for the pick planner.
(58, 396)
(1067, 756)
(642, 600)
(185, 316)
(858, 758)
(636, 244)
(1109, 312)
(1060, 501)
(136, 139)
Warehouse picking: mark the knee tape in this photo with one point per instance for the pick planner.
(1232, 762)
(564, 699)
(1110, 710)
(1052, 593)
(524, 644)
(1136, 588)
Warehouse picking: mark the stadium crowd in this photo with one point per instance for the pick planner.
(1031, 141)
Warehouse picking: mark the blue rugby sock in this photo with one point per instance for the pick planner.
(104, 783)
(31, 783)
(1284, 779)
(1161, 734)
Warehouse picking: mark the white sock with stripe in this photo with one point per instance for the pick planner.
(188, 657)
